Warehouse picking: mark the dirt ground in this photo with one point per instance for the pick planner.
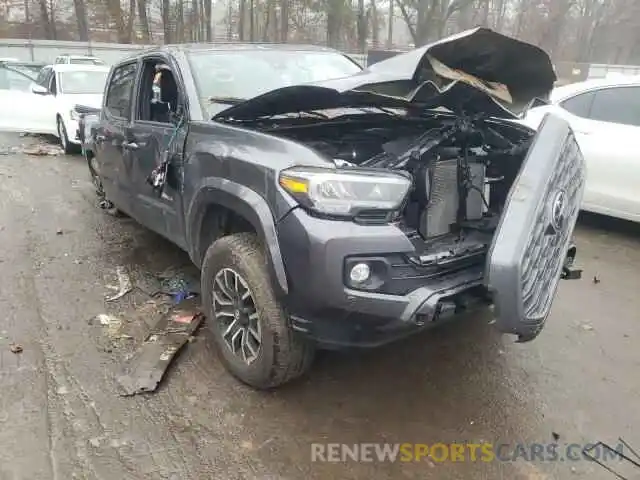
(61, 418)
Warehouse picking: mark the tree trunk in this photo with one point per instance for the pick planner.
(375, 30)
(49, 29)
(195, 22)
(166, 22)
(361, 27)
(180, 33)
(81, 18)
(251, 21)
(334, 23)
(115, 13)
(131, 21)
(207, 18)
(241, 17)
(390, 26)
(284, 20)
(144, 21)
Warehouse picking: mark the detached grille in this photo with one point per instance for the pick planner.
(546, 250)
(532, 240)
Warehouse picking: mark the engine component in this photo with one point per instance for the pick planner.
(442, 209)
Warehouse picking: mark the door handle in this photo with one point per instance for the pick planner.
(130, 145)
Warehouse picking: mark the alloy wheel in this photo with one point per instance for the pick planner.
(236, 314)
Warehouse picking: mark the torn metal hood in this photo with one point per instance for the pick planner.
(476, 71)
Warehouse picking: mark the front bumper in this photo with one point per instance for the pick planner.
(322, 305)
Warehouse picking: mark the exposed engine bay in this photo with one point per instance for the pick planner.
(462, 169)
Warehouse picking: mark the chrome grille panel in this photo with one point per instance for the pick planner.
(530, 245)
(545, 253)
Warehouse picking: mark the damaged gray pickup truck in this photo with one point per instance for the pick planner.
(350, 211)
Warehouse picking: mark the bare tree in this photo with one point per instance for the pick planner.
(81, 17)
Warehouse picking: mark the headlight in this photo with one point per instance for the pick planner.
(74, 115)
(337, 192)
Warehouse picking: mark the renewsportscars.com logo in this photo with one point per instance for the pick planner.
(463, 452)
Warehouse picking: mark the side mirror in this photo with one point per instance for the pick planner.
(40, 90)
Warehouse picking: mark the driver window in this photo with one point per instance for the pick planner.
(159, 96)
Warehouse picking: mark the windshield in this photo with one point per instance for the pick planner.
(227, 75)
(82, 81)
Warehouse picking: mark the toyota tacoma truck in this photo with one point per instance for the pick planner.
(331, 206)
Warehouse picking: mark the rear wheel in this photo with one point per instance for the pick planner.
(248, 325)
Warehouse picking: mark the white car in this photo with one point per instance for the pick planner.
(605, 116)
(47, 105)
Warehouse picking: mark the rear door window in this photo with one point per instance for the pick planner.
(617, 105)
(120, 91)
(579, 105)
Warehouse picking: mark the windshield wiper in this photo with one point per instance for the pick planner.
(226, 100)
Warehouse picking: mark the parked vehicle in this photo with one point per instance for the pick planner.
(351, 211)
(46, 106)
(13, 81)
(68, 59)
(31, 69)
(605, 116)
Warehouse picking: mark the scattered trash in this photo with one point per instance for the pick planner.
(555, 436)
(146, 368)
(108, 320)
(59, 231)
(112, 323)
(42, 150)
(587, 327)
(180, 287)
(15, 348)
(596, 280)
(124, 284)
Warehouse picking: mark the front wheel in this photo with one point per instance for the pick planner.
(249, 327)
(67, 146)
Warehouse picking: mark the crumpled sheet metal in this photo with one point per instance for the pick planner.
(144, 371)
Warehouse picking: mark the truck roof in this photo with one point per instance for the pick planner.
(235, 46)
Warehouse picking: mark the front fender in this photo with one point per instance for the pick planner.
(246, 203)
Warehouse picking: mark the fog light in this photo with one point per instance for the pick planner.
(360, 273)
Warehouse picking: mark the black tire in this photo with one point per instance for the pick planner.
(283, 354)
(95, 178)
(68, 147)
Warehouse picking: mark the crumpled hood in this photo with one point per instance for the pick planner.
(476, 71)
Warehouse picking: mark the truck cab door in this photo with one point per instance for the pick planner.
(157, 137)
(114, 161)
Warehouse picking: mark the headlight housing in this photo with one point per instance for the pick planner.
(345, 193)
(74, 115)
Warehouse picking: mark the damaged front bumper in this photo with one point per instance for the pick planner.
(402, 297)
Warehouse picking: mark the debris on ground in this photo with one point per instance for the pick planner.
(111, 322)
(180, 286)
(587, 327)
(143, 371)
(556, 436)
(15, 348)
(59, 231)
(124, 284)
(596, 280)
(42, 150)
